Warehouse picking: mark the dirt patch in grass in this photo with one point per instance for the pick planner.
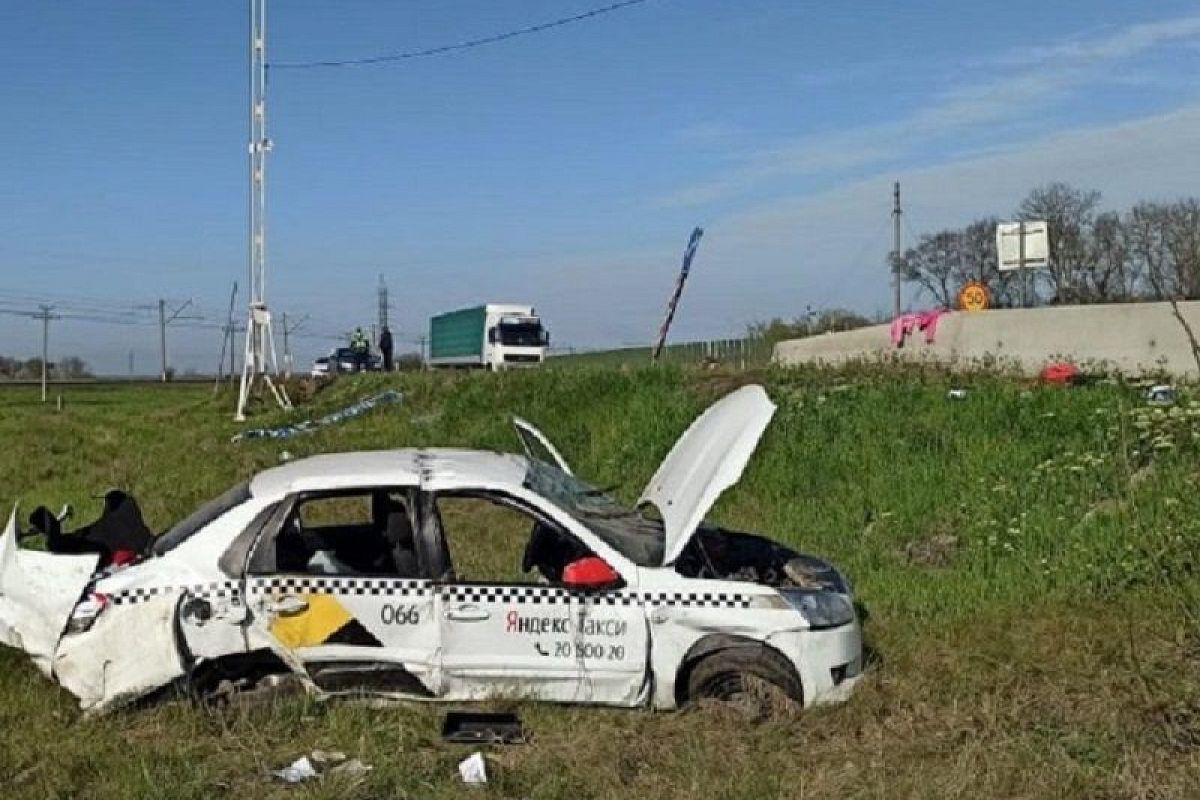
(936, 551)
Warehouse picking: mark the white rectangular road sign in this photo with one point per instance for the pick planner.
(1036, 254)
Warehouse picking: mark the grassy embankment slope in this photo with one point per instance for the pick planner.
(1024, 555)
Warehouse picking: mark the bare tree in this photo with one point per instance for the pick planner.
(1146, 245)
(936, 264)
(1069, 213)
(1183, 245)
(981, 262)
(1112, 274)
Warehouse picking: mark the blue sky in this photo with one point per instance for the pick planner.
(563, 169)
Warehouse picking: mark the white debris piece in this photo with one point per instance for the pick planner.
(298, 771)
(473, 769)
(355, 769)
(325, 757)
(1161, 394)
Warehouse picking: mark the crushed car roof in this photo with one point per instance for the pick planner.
(393, 467)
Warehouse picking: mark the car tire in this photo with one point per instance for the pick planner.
(757, 680)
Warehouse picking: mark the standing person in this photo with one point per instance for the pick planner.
(385, 347)
(360, 347)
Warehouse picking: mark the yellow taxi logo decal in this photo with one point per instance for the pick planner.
(316, 624)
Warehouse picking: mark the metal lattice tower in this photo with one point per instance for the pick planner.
(260, 361)
(383, 304)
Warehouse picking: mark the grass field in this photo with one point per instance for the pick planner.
(1026, 556)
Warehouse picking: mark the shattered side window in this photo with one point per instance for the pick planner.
(189, 525)
(632, 534)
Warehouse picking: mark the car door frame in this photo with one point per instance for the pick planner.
(548, 675)
(410, 599)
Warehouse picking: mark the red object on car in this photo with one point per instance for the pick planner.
(120, 558)
(1060, 373)
(591, 572)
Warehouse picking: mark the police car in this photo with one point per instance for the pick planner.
(338, 572)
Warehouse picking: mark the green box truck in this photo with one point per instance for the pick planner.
(492, 336)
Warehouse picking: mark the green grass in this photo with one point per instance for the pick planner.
(1026, 558)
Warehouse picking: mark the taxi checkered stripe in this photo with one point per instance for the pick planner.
(388, 587)
(547, 595)
(141, 594)
(391, 587)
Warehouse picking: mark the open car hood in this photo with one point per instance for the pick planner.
(38, 592)
(705, 461)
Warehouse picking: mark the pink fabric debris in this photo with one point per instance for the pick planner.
(926, 321)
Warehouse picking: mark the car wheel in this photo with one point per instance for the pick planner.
(757, 681)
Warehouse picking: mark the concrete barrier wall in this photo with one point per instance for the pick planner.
(1132, 338)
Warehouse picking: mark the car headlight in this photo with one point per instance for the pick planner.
(822, 609)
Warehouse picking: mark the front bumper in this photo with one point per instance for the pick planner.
(829, 662)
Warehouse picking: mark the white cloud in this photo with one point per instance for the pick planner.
(1107, 46)
(830, 248)
(1026, 81)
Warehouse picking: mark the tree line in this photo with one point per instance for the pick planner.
(1148, 252)
(18, 369)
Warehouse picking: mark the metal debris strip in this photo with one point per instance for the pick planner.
(310, 425)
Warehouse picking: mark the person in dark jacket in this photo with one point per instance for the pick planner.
(385, 347)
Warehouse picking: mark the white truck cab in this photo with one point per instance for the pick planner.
(494, 336)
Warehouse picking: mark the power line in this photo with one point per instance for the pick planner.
(465, 45)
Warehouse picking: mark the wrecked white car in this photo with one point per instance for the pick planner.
(631, 607)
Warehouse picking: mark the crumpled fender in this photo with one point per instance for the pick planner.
(38, 592)
(128, 653)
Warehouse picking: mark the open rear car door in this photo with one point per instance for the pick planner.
(38, 592)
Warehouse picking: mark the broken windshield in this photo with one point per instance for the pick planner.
(628, 531)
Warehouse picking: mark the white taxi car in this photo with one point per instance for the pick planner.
(632, 607)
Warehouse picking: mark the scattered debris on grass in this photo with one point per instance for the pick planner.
(473, 770)
(957, 394)
(1161, 394)
(298, 771)
(322, 763)
(1060, 373)
(309, 425)
(475, 727)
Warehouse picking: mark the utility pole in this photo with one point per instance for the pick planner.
(234, 330)
(131, 363)
(45, 316)
(227, 341)
(163, 322)
(259, 362)
(288, 330)
(383, 303)
(896, 252)
(162, 336)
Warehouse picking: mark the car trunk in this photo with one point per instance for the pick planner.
(38, 592)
